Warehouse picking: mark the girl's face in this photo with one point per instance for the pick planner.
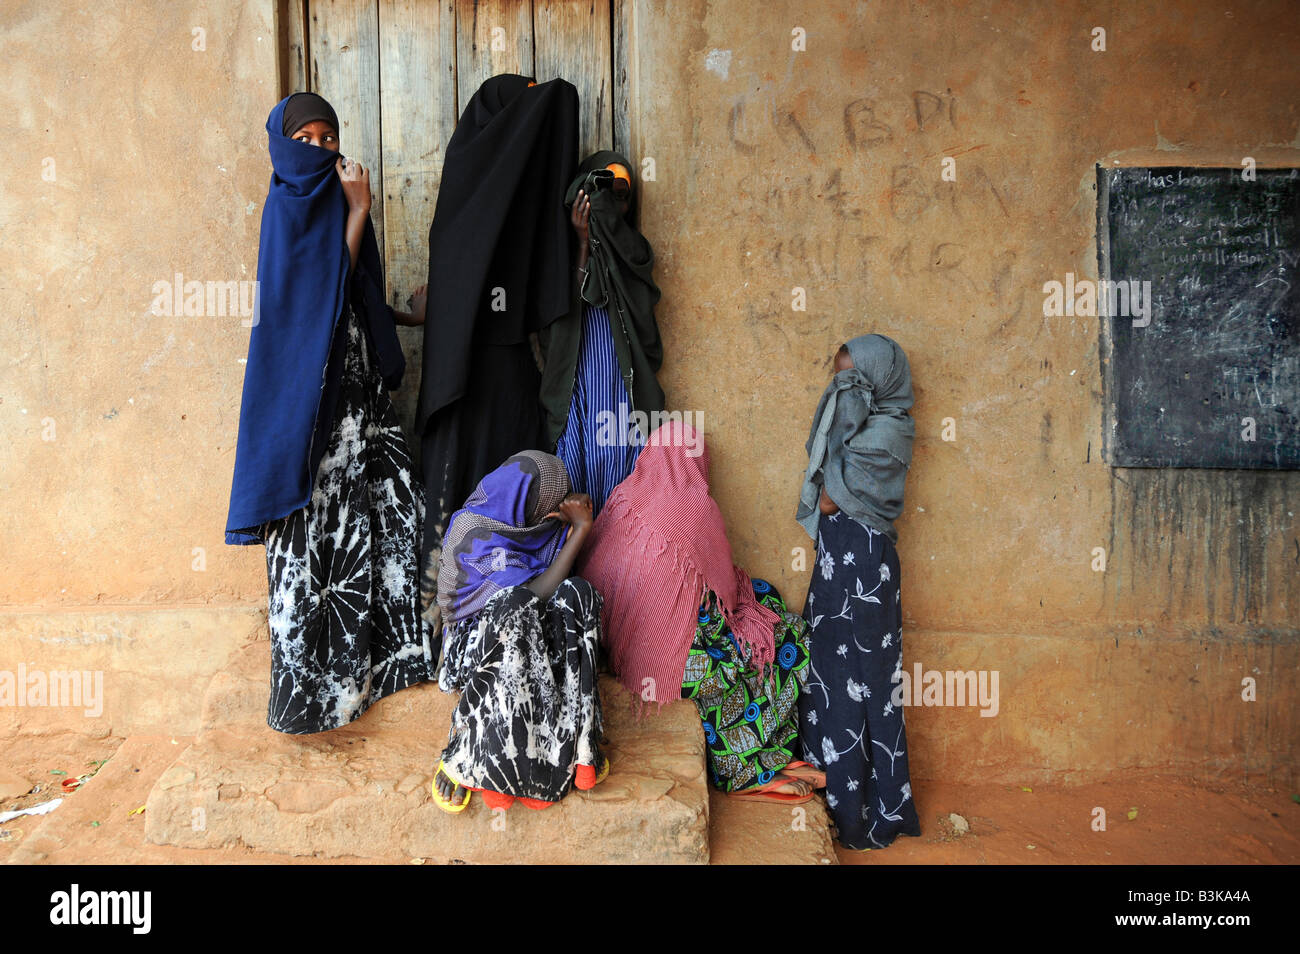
(318, 133)
(842, 361)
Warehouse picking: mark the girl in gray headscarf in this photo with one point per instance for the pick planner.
(850, 725)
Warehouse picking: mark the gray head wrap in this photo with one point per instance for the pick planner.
(861, 441)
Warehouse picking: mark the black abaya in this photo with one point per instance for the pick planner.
(500, 257)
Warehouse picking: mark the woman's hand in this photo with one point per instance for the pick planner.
(574, 510)
(419, 301)
(580, 219)
(826, 505)
(419, 298)
(356, 185)
(356, 189)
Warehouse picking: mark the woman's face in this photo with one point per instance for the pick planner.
(622, 186)
(842, 361)
(318, 133)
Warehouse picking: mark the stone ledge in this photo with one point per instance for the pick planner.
(364, 790)
(150, 661)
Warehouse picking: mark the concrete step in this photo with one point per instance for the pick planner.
(99, 823)
(745, 833)
(363, 791)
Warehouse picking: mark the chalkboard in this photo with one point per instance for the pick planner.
(1209, 374)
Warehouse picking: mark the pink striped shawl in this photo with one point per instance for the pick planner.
(657, 546)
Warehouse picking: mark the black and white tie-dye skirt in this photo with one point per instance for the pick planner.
(529, 712)
(343, 572)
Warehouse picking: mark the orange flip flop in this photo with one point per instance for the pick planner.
(768, 793)
(805, 772)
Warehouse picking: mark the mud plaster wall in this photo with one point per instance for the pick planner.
(821, 169)
(775, 169)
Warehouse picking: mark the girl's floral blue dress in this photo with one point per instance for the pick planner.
(849, 725)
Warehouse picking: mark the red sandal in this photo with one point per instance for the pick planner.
(587, 778)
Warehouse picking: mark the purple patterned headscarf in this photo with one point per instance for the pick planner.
(500, 538)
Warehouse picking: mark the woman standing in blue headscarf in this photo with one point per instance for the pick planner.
(858, 454)
(322, 471)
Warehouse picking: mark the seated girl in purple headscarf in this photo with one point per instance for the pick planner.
(519, 640)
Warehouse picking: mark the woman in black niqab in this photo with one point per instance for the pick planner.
(499, 263)
(602, 359)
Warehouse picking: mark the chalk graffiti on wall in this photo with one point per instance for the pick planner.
(925, 204)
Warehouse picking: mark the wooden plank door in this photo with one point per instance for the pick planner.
(398, 73)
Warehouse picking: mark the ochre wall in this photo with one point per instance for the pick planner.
(159, 167)
(774, 169)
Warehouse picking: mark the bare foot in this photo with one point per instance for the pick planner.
(781, 788)
(447, 789)
(794, 786)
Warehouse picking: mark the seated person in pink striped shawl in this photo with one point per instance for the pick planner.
(682, 621)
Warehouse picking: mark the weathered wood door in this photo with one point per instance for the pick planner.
(398, 73)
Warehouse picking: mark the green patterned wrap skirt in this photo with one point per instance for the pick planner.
(751, 717)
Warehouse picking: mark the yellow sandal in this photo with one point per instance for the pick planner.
(446, 804)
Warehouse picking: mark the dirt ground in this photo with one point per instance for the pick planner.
(1173, 821)
(46, 762)
(101, 824)
(1149, 820)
